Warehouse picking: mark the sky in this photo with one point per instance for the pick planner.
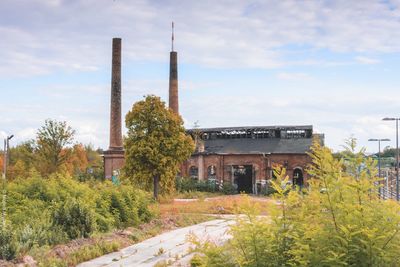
(330, 64)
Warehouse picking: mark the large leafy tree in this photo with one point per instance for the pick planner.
(52, 140)
(155, 146)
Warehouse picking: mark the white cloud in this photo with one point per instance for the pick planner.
(76, 34)
(25, 134)
(293, 76)
(367, 60)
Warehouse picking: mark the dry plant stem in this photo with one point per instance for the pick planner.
(331, 206)
(390, 239)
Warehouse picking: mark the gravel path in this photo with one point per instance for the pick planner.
(170, 246)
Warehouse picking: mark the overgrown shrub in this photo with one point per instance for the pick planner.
(340, 221)
(184, 184)
(53, 210)
(187, 184)
(268, 189)
(8, 247)
(228, 189)
(121, 208)
(75, 218)
(90, 174)
(38, 233)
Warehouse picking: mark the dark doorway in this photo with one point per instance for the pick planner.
(243, 178)
(298, 177)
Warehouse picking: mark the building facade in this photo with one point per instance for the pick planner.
(246, 156)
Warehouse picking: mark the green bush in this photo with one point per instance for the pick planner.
(8, 246)
(38, 232)
(53, 210)
(228, 189)
(267, 190)
(184, 184)
(142, 202)
(340, 221)
(75, 218)
(206, 186)
(123, 207)
(90, 174)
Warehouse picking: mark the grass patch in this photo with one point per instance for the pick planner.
(219, 205)
(84, 253)
(93, 251)
(82, 250)
(197, 194)
(183, 220)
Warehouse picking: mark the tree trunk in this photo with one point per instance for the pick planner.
(156, 186)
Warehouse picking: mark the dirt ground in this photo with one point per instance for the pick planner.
(230, 204)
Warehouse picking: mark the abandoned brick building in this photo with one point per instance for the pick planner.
(245, 156)
(242, 156)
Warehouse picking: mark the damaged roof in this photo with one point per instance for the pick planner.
(252, 128)
(289, 139)
(258, 146)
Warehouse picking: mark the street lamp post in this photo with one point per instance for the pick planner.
(397, 154)
(5, 162)
(379, 157)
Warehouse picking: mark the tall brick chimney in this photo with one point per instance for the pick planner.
(115, 108)
(114, 157)
(173, 77)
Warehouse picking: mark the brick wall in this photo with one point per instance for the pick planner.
(262, 164)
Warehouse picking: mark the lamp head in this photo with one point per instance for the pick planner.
(373, 139)
(389, 119)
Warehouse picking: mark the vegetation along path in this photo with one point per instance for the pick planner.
(168, 247)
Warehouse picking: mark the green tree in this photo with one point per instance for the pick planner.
(155, 146)
(23, 152)
(388, 152)
(21, 159)
(52, 139)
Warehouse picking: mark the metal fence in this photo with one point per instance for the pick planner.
(388, 183)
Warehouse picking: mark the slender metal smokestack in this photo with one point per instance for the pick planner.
(173, 77)
(115, 115)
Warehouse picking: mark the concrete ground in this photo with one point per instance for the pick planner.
(171, 246)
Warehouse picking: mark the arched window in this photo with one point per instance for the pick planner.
(211, 172)
(194, 172)
(298, 177)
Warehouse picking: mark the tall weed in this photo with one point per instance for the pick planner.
(338, 220)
